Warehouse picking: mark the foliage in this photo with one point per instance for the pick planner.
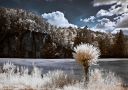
(119, 45)
(24, 34)
(86, 53)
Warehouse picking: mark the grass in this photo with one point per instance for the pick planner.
(13, 77)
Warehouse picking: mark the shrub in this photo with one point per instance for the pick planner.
(57, 79)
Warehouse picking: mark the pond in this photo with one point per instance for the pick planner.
(118, 66)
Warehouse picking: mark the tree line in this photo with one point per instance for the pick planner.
(26, 35)
(110, 45)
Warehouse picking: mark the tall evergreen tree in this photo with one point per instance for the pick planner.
(119, 45)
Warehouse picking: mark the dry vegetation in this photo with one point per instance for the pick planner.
(55, 80)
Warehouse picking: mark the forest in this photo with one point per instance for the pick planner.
(24, 34)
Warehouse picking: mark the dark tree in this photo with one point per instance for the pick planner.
(119, 45)
(105, 47)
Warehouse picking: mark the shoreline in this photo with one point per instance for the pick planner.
(62, 59)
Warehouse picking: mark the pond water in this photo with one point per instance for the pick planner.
(118, 66)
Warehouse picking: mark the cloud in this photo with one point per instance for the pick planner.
(125, 30)
(119, 23)
(104, 2)
(58, 19)
(119, 12)
(90, 19)
(103, 12)
(122, 21)
(108, 2)
(117, 7)
(99, 30)
(105, 24)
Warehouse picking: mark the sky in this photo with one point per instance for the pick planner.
(98, 15)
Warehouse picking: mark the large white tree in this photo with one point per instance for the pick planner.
(86, 55)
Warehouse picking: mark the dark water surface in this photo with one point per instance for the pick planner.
(118, 66)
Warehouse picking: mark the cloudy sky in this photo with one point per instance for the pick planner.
(101, 15)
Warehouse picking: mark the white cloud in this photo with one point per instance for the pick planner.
(99, 30)
(90, 19)
(104, 2)
(117, 7)
(58, 19)
(108, 2)
(103, 12)
(122, 21)
(105, 24)
(125, 30)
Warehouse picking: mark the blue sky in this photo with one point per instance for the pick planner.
(101, 15)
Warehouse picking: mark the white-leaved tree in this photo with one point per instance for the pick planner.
(86, 55)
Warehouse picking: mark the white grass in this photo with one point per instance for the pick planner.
(21, 79)
(97, 82)
(13, 77)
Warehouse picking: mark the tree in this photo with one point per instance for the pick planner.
(77, 40)
(83, 36)
(105, 46)
(119, 45)
(86, 55)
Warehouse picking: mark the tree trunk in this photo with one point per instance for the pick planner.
(86, 72)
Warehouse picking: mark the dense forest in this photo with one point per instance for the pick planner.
(24, 34)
